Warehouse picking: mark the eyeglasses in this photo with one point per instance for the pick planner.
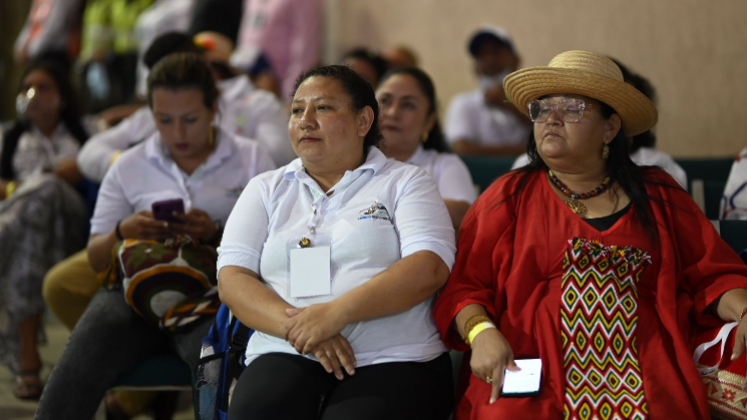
(570, 109)
(23, 100)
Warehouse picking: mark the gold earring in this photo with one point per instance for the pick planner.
(605, 151)
(211, 137)
(424, 137)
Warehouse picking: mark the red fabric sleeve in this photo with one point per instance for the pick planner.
(707, 265)
(484, 252)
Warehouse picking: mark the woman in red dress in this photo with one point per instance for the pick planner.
(596, 266)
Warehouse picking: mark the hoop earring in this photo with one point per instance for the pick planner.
(424, 137)
(211, 137)
(605, 151)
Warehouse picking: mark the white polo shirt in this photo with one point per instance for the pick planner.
(450, 173)
(245, 111)
(468, 118)
(276, 210)
(146, 174)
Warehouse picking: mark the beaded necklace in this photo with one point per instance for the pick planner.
(578, 207)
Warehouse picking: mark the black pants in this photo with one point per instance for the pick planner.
(109, 339)
(286, 386)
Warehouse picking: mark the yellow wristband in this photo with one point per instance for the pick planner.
(10, 187)
(477, 329)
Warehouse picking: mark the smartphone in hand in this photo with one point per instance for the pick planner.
(164, 210)
(524, 383)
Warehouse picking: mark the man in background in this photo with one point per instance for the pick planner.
(481, 122)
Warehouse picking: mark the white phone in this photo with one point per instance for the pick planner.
(525, 382)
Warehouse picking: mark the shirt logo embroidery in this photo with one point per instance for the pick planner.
(374, 211)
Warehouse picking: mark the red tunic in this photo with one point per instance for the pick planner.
(509, 260)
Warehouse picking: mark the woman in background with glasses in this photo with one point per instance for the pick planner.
(42, 216)
(595, 266)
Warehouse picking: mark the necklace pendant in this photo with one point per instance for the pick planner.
(304, 242)
(578, 207)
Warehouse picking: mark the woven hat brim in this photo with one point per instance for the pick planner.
(637, 112)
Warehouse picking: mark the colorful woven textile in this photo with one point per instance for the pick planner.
(598, 331)
(157, 276)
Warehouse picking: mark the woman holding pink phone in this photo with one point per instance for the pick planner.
(189, 161)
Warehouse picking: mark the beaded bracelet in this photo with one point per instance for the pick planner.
(471, 323)
(744, 312)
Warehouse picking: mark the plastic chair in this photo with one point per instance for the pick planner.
(706, 180)
(734, 232)
(486, 169)
(165, 372)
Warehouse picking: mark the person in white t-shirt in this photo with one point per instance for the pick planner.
(412, 134)
(640, 146)
(187, 158)
(482, 122)
(334, 260)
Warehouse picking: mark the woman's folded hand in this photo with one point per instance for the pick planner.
(308, 327)
(335, 353)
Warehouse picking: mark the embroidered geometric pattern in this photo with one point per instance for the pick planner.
(598, 330)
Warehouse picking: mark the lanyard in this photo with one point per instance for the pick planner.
(305, 241)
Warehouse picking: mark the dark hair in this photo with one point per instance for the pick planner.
(487, 37)
(183, 70)
(221, 70)
(376, 61)
(360, 91)
(169, 43)
(69, 114)
(622, 171)
(648, 138)
(436, 140)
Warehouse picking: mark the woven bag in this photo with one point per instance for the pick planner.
(721, 376)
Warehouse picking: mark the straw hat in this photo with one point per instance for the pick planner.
(584, 73)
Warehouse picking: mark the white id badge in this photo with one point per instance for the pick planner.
(310, 272)
(525, 382)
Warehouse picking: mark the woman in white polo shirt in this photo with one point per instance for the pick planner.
(412, 134)
(187, 158)
(334, 260)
